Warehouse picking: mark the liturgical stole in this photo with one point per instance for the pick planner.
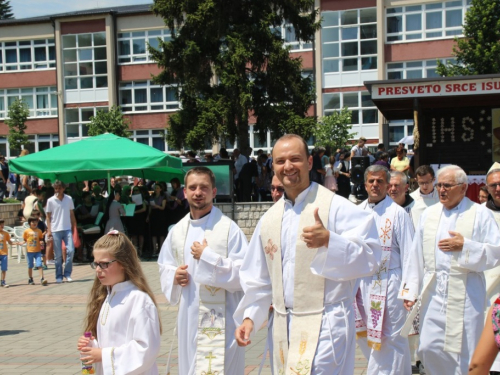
(212, 310)
(457, 279)
(293, 354)
(378, 287)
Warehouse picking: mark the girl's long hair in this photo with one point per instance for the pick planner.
(120, 248)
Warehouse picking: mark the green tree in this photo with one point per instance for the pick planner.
(229, 62)
(333, 131)
(479, 51)
(5, 10)
(17, 116)
(111, 121)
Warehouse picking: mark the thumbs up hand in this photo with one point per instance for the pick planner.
(316, 235)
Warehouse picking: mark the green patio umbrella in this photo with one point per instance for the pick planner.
(98, 157)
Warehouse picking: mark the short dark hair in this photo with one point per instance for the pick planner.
(484, 189)
(293, 136)
(380, 146)
(200, 170)
(425, 169)
(59, 183)
(32, 219)
(2, 221)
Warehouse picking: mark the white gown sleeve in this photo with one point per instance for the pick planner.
(413, 272)
(139, 354)
(256, 284)
(220, 272)
(168, 266)
(483, 252)
(353, 250)
(405, 233)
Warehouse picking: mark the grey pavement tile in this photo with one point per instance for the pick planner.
(41, 325)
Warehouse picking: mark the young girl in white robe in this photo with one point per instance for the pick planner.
(121, 313)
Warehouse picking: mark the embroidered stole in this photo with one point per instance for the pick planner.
(211, 336)
(378, 288)
(457, 278)
(309, 289)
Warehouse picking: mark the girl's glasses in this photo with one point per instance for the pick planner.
(103, 265)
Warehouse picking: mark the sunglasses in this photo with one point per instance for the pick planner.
(103, 265)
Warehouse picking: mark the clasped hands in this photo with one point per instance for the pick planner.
(316, 236)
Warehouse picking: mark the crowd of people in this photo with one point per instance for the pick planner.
(406, 276)
(326, 274)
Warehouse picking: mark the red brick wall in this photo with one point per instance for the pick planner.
(28, 79)
(79, 27)
(418, 50)
(35, 126)
(347, 4)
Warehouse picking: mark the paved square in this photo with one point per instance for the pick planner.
(41, 324)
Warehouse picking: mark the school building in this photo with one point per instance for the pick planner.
(68, 66)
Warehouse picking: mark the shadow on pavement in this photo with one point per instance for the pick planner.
(13, 332)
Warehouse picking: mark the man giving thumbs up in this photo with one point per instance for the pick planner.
(304, 257)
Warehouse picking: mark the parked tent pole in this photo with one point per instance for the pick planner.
(109, 183)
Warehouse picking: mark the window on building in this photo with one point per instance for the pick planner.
(38, 142)
(287, 33)
(77, 121)
(364, 112)
(426, 21)
(415, 69)
(84, 60)
(133, 46)
(349, 40)
(399, 129)
(146, 96)
(153, 138)
(27, 55)
(41, 101)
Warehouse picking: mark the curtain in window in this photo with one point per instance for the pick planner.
(25, 55)
(140, 96)
(42, 101)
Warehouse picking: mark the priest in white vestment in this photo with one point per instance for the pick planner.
(426, 195)
(390, 353)
(492, 276)
(341, 241)
(190, 266)
(456, 241)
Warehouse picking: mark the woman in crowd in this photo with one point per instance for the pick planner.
(114, 212)
(344, 176)
(137, 223)
(158, 220)
(400, 163)
(178, 206)
(331, 174)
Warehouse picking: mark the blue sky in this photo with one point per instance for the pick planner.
(35, 8)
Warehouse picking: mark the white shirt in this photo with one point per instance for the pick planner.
(60, 213)
(238, 164)
(128, 331)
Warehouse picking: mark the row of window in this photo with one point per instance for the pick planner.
(38, 142)
(27, 55)
(41, 101)
(427, 21)
(85, 61)
(349, 40)
(415, 69)
(146, 96)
